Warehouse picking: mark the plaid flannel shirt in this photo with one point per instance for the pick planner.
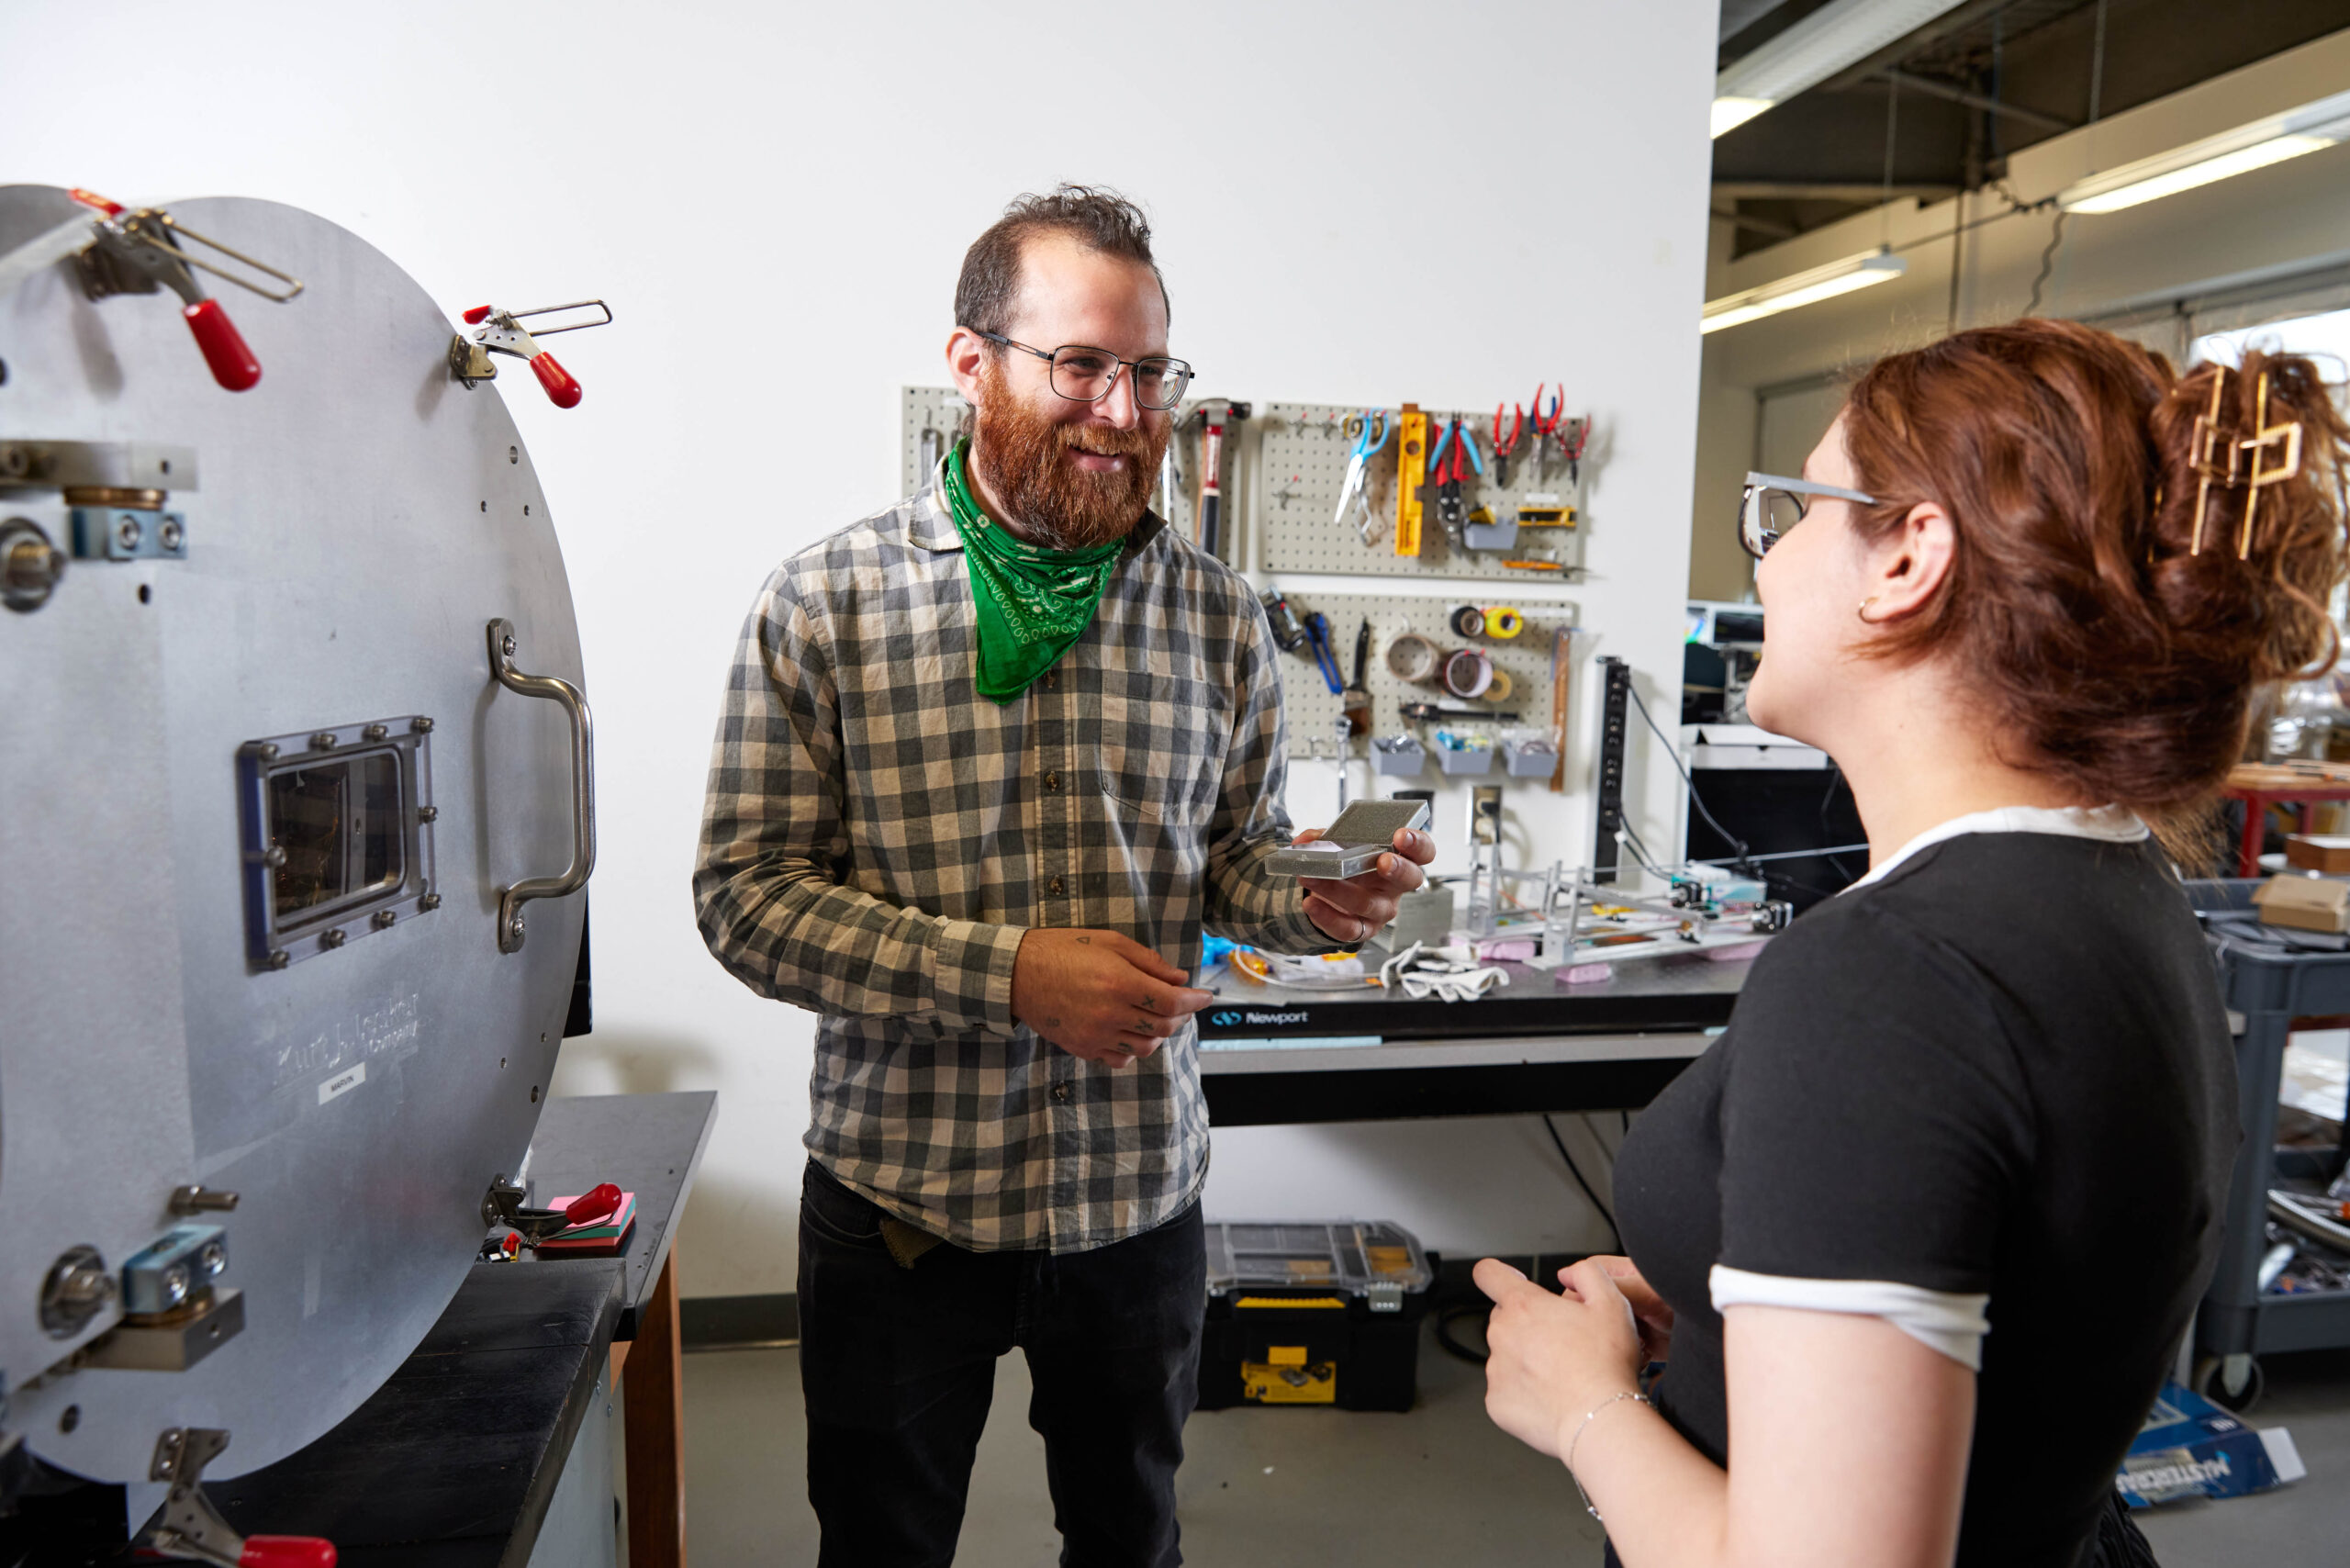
(877, 838)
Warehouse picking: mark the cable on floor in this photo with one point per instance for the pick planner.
(1577, 1172)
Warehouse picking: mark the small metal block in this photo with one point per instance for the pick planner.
(325, 740)
(375, 731)
(175, 1341)
(332, 937)
(383, 919)
(161, 1276)
(428, 902)
(428, 813)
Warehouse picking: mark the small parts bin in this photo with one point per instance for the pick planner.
(1312, 1312)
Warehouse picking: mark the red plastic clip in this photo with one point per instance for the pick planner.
(563, 390)
(479, 314)
(287, 1551)
(92, 198)
(233, 365)
(600, 1202)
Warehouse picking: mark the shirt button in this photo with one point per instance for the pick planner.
(1052, 781)
(1054, 886)
(1061, 1093)
(1052, 679)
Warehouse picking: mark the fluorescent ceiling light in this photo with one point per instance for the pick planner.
(1835, 36)
(1731, 113)
(1802, 289)
(2247, 147)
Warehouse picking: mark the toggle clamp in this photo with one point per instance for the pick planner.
(140, 252)
(500, 331)
(188, 1529)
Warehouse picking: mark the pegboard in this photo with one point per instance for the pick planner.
(941, 408)
(1313, 711)
(1300, 453)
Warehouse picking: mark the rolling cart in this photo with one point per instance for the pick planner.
(2272, 979)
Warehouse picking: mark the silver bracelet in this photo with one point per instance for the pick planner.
(1576, 1441)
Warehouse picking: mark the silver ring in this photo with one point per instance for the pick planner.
(1362, 932)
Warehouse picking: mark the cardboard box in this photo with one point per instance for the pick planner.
(2318, 852)
(2304, 901)
(2190, 1448)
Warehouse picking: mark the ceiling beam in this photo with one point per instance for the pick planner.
(1771, 227)
(1957, 95)
(1869, 192)
(1956, 19)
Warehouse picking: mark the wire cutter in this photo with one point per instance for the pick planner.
(1370, 429)
(1448, 469)
(1502, 449)
(1546, 429)
(1577, 436)
(1317, 632)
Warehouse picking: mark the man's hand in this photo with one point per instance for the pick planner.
(1098, 995)
(1353, 911)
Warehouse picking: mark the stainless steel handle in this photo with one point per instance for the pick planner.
(502, 646)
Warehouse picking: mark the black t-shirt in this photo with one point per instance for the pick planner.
(2003, 1068)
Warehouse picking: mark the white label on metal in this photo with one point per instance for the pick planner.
(342, 1083)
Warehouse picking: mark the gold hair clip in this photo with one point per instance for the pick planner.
(2257, 446)
(2206, 441)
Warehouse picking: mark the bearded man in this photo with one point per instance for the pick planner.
(990, 761)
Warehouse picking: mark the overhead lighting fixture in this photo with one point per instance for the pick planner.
(2247, 147)
(1802, 288)
(1837, 35)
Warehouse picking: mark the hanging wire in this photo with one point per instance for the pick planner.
(2052, 256)
(1892, 126)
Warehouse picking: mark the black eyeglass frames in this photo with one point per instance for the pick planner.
(1771, 505)
(1085, 374)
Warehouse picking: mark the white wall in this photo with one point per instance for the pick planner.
(2271, 222)
(1360, 201)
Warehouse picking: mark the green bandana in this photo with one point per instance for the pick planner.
(1033, 603)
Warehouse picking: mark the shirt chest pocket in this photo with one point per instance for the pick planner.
(1160, 745)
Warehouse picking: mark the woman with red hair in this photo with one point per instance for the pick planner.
(1921, 1232)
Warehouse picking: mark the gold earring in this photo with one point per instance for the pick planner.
(1864, 611)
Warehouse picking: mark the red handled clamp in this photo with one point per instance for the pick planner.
(502, 332)
(188, 1529)
(138, 253)
(503, 1204)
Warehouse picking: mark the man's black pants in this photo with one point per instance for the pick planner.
(899, 1368)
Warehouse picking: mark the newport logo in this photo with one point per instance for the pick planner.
(1223, 1018)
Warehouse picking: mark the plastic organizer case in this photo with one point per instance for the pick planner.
(1312, 1312)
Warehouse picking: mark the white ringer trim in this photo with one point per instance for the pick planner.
(1940, 1320)
(2115, 825)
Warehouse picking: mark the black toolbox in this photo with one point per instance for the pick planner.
(1312, 1312)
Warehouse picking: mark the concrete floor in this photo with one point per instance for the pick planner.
(1305, 1486)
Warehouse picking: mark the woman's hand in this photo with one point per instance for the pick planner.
(1654, 1314)
(1556, 1359)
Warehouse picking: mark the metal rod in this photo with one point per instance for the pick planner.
(1956, 95)
(176, 227)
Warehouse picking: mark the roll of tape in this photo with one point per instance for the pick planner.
(1468, 672)
(1504, 620)
(1467, 620)
(1412, 657)
(1500, 688)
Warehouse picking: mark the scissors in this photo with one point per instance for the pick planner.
(1370, 431)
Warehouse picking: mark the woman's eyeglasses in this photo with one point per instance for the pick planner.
(1771, 505)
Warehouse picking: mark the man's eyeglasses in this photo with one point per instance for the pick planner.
(1085, 376)
(1772, 505)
